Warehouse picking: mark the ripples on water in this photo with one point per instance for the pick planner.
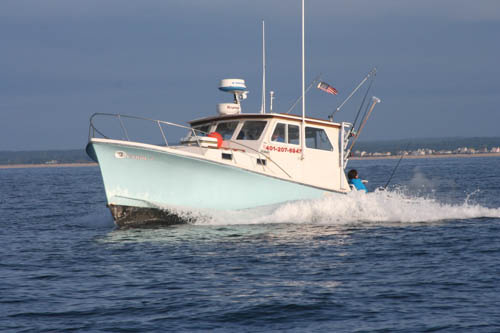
(423, 257)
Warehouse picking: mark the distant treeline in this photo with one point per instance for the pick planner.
(392, 146)
(44, 156)
(395, 146)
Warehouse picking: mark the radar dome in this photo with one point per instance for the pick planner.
(228, 108)
(232, 85)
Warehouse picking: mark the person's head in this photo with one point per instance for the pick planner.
(352, 174)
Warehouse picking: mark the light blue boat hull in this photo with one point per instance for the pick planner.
(156, 179)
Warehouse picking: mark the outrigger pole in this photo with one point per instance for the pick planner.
(372, 72)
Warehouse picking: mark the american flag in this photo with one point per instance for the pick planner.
(327, 88)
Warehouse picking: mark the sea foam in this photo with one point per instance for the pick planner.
(354, 208)
(394, 206)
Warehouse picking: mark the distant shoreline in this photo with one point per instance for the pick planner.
(426, 156)
(54, 165)
(71, 165)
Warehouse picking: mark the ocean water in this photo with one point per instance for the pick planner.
(423, 256)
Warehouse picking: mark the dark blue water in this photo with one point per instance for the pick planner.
(423, 257)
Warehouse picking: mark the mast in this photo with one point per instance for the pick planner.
(263, 107)
(303, 135)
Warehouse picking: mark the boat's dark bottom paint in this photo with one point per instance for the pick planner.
(136, 217)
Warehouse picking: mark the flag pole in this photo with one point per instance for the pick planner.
(318, 78)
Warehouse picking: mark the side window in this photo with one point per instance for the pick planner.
(316, 138)
(286, 133)
(279, 133)
(251, 130)
(293, 134)
(226, 130)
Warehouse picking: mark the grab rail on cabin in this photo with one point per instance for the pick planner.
(93, 130)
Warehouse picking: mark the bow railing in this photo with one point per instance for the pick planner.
(198, 135)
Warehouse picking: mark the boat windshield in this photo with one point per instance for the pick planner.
(251, 130)
(226, 129)
(201, 130)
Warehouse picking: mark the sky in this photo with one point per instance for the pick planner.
(63, 60)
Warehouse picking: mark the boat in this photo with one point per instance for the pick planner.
(228, 161)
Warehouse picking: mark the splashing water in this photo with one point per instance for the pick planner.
(399, 205)
(354, 208)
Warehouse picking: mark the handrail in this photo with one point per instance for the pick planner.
(93, 129)
(119, 116)
(123, 127)
(163, 134)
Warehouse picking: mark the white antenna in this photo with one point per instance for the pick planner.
(263, 107)
(271, 95)
(303, 135)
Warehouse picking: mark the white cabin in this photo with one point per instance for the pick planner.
(270, 144)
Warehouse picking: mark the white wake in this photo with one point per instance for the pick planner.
(353, 208)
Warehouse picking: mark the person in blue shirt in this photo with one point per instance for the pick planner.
(354, 180)
(277, 137)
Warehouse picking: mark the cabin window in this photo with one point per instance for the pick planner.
(293, 134)
(202, 130)
(226, 130)
(251, 130)
(286, 133)
(279, 133)
(316, 138)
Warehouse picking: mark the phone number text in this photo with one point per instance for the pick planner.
(284, 149)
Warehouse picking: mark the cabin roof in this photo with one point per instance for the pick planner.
(284, 116)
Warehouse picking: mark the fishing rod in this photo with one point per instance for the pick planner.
(397, 165)
(375, 101)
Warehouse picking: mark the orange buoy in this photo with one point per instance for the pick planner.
(218, 137)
